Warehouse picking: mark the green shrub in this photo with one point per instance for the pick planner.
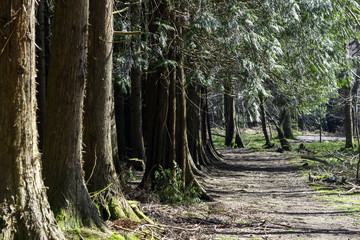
(169, 187)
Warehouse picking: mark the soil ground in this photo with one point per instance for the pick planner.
(256, 196)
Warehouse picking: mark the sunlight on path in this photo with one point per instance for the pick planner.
(268, 194)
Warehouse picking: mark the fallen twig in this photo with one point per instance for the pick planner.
(313, 158)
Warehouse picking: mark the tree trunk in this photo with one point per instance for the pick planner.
(285, 119)
(346, 93)
(229, 112)
(42, 42)
(24, 209)
(195, 125)
(263, 119)
(198, 128)
(166, 111)
(120, 127)
(99, 168)
(62, 151)
(285, 145)
(136, 136)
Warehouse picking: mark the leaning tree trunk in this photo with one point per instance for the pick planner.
(62, 150)
(24, 209)
(229, 112)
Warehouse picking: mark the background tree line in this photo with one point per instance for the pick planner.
(118, 81)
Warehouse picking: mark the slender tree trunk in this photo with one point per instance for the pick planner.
(349, 142)
(136, 136)
(62, 151)
(285, 145)
(120, 126)
(229, 112)
(161, 112)
(195, 125)
(183, 156)
(263, 120)
(24, 209)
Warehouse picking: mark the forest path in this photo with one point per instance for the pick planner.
(257, 196)
(269, 199)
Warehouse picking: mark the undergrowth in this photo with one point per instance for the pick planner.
(170, 189)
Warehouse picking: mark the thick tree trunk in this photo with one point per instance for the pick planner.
(229, 112)
(62, 152)
(24, 210)
(99, 168)
(42, 66)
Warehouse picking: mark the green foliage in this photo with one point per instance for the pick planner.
(170, 189)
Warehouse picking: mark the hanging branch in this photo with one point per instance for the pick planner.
(353, 15)
(357, 132)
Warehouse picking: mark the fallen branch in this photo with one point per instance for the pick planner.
(313, 158)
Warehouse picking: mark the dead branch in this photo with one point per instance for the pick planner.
(313, 158)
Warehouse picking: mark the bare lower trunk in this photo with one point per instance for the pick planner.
(24, 209)
(102, 180)
(62, 151)
(263, 120)
(229, 113)
(285, 119)
(42, 43)
(349, 142)
(136, 136)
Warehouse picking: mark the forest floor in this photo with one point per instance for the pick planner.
(259, 195)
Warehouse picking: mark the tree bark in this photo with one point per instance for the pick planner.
(229, 112)
(263, 120)
(285, 145)
(136, 136)
(42, 42)
(286, 124)
(24, 209)
(166, 111)
(62, 151)
(100, 173)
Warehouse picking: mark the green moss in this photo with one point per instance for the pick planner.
(116, 210)
(91, 234)
(61, 218)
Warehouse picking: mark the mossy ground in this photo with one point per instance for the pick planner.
(91, 234)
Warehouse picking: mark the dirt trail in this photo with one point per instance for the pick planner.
(258, 196)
